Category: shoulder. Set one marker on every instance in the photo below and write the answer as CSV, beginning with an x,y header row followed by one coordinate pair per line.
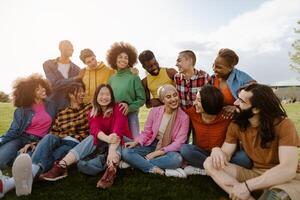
x,y
49,63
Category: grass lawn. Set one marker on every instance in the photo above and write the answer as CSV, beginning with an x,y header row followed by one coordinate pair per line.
x,y
129,184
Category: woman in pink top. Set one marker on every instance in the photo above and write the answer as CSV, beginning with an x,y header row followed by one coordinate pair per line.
x,y
107,127
155,150
32,117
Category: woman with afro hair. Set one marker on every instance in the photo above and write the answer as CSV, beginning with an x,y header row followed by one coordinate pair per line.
x,y
32,118
127,87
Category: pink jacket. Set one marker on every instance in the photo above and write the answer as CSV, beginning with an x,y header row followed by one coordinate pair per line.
x,y
179,130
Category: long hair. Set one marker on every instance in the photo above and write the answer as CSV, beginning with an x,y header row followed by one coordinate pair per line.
x,y
96,110
271,112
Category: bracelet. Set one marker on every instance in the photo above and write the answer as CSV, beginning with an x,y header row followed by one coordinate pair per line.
x,y
247,186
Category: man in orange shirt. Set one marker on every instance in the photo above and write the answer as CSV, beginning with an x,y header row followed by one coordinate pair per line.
x,y
270,139
210,130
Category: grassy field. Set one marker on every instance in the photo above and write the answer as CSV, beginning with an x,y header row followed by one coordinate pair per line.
x,y
130,184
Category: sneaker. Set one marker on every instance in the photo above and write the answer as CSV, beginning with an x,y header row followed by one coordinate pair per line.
x,y
55,173
108,177
123,165
22,173
175,173
190,170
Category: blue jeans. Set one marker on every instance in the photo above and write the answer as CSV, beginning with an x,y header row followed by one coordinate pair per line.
x,y
133,121
88,163
50,149
196,156
9,150
136,158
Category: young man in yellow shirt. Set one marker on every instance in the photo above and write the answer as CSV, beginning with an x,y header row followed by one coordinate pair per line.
x,y
155,78
96,73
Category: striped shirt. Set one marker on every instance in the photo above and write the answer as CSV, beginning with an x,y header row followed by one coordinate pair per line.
x,y
72,122
187,89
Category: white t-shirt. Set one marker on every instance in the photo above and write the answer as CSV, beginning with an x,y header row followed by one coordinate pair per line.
x,y
64,69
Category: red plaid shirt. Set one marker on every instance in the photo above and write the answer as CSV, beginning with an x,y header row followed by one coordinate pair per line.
x,y
187,89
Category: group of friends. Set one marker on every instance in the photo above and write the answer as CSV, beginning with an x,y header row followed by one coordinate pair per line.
x,y
226,125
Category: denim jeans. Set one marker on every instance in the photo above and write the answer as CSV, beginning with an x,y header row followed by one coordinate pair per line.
x,y
50,149
88,162
196,156
133,120
136,158
9,150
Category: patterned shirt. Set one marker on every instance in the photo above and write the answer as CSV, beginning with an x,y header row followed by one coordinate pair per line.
x,y
187,89
72,122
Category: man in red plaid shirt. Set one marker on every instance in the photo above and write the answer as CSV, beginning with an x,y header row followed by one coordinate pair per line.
x,y
189,80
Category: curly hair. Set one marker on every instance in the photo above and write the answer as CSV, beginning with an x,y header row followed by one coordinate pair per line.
x,y
230,56
24,89
121,47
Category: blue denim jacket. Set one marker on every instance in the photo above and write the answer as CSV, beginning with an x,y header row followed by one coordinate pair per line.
x,y
22,119
236,80
58,82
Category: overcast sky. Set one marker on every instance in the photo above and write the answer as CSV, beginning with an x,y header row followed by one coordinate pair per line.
x,y
261,32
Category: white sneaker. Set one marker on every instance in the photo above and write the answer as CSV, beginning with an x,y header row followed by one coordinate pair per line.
x,y
123,165
175,173
22,173
190,170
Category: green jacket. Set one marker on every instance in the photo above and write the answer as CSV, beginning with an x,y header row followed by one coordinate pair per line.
x,y
128,88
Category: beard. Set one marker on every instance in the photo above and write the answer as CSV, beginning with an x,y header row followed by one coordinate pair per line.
x,y
243,115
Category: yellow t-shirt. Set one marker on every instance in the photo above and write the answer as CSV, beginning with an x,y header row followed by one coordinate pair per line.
x,y
94,77
154,82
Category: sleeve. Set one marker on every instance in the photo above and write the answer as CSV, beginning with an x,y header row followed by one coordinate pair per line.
x,y
57,83
181,136
55,130
15,126
140,95
232,134
147,133
287,134
120,124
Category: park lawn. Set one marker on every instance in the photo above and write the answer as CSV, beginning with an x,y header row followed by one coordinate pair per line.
x,y
129,184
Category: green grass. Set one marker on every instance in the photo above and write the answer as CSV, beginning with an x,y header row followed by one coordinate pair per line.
x,y
129,184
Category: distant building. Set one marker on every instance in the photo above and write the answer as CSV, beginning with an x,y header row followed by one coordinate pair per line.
x,y
287,93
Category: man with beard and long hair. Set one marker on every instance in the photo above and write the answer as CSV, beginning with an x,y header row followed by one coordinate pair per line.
x,y
156,77
269,138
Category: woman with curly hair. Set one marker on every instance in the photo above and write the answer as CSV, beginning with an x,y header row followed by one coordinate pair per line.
x,y
127,87
32,117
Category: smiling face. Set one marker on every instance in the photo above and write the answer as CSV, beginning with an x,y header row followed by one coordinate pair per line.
x,y
197,103
78,96
104,97
221,67
184,63
171,99
122,61
40,93
152,67
244,109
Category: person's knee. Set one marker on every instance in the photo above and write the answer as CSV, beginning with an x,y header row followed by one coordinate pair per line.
x,y
176,158
184,151
126,152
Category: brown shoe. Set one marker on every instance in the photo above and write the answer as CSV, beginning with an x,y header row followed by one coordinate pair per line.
x,y
55,173
108,177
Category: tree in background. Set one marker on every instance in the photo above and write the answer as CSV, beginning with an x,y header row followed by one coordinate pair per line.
x,y
4,97
295,56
